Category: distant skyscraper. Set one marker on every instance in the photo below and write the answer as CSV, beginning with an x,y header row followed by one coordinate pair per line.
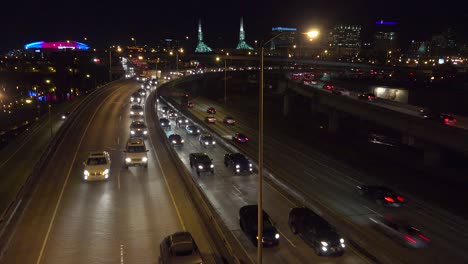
x,y
444,44
385,36
286,40
242,45
201,46
345,40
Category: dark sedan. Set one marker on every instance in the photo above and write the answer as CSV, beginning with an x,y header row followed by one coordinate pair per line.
x,y
176,140
239,137
248,222
381,195
238,162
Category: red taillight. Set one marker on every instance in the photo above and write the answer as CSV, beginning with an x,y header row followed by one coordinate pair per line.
x,y
399,198
389,199
238,139
246,139
410,239
425,238
368,97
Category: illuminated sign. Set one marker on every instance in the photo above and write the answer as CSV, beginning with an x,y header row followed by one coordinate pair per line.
x,y
57,45
381,22
283,29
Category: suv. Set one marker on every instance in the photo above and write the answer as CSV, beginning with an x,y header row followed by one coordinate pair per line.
x,y
179,247
367,96
316,231
165,123
136,111
192,130
97,166
135,153
138,129
182,121
202,162
211,110
206,140
176,140
248,217
238,162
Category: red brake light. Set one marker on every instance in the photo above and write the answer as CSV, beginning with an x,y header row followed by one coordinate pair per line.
x,y
389,199
446,120
425,238
246,139
410,239
368,97
238,139
399,198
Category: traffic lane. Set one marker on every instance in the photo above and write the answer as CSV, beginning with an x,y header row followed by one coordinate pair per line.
x,y
98,219
228,192
32,226
354,208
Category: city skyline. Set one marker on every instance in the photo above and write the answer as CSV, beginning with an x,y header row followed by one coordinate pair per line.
x,y
103,24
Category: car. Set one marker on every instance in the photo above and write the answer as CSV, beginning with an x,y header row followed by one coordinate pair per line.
x,y
153,82
97,166
136,98
146,87
190,104
192,130
316,231
401,231
65,115
206,140
248,221
340,91
202,162
210,119
179,247
367,96
141,78
381,195
239,137
328,87
142,92
171,114
165,109
211,110
165,123
176,140
447,118
182,121
229,120
136,153
138,129
238,162
136,110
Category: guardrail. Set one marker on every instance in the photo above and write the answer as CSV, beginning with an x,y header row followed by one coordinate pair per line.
x,y
24,194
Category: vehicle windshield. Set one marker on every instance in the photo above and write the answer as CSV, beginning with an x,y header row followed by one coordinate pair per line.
x,y
239,157
134,149
138,125
96,161
183,248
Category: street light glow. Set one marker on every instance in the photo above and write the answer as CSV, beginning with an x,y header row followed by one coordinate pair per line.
x,y
312,34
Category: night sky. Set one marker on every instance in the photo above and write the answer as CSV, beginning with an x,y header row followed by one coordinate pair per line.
x,y
109,22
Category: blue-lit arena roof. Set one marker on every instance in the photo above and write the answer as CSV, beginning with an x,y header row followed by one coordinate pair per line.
x,y
57,45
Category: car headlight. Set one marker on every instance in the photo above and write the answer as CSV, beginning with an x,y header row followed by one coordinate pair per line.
x,y
206,142
198,131
180,121
145,132
163,124
173,141
131,99
86,173
200,167
106,171
144,159
128,160
237,166
132,132
182,141
141,113
211,166
63,117
250,164
325,244
214,142
277,236
341,240
190,131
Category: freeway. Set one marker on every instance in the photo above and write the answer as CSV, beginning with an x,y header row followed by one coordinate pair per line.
x,y
329,186
121,220
228,192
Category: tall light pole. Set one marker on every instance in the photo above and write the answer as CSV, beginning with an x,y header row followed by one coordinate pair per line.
x,y
110,64
225,79
311,35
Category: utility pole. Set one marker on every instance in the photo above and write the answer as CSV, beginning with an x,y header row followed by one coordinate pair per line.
x,y
110,64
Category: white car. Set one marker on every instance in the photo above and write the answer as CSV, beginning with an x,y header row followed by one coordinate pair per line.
x,y
136,153
97,166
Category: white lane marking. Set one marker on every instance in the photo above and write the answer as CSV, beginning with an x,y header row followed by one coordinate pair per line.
x,y
237,189
46,238
120,118
118,180
373,211
121,254
310,174
290,242
118,140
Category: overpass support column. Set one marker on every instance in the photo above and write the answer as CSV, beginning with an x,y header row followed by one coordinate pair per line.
x,y
432,156
333,121
286,103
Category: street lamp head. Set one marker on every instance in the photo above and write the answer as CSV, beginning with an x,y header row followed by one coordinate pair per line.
x,y
312,34
217,59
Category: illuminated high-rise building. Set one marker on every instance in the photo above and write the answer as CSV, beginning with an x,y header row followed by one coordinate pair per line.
x,y
345,40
